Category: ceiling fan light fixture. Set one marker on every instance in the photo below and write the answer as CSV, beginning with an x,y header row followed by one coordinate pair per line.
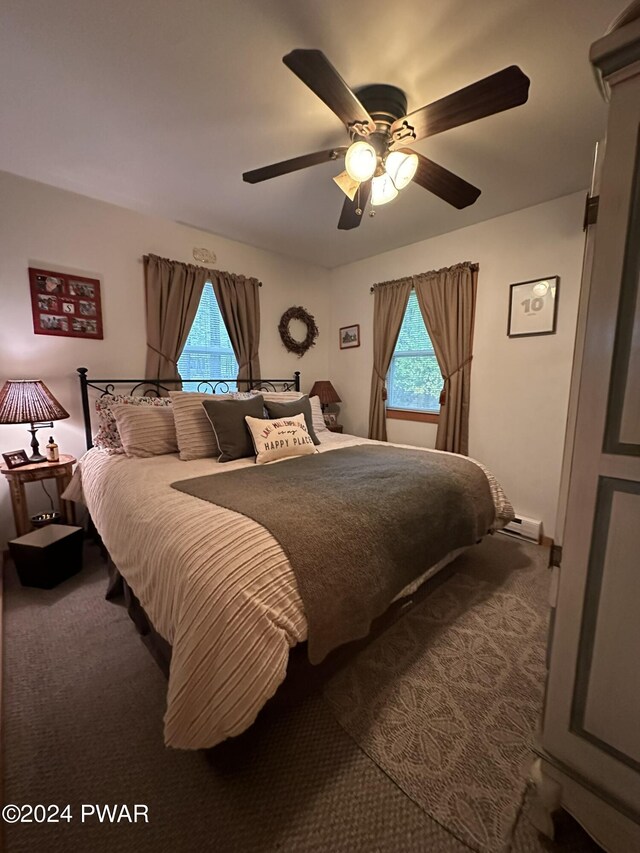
x,y
383,189
377,121
346,183
361,160
401,167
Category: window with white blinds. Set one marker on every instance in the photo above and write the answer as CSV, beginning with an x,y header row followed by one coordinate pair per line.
x,y
414,381
208,353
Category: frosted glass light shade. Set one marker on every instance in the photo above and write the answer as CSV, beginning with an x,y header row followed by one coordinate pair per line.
x,y
382,189
360,161
401,168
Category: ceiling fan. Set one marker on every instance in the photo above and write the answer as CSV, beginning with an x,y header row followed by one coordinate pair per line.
x,y
378,162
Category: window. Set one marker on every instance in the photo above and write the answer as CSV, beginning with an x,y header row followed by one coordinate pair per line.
x,y
208,353
414,381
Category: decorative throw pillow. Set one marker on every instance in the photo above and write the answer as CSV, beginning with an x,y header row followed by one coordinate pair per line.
x,y
227,419
146,430
293,407
107,437
317,415
196,439
280,438
276,397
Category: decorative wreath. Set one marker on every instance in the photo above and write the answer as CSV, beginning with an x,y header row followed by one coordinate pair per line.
x,y
291,344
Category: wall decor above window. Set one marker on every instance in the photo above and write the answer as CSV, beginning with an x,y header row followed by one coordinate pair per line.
x,y
291,344
65,305
533,307
204,256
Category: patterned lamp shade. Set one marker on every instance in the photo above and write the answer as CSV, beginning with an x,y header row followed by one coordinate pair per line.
x,y
24,401
325,390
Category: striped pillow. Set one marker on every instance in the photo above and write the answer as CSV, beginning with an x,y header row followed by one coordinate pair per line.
x,y
280,396
196,438
146,430
317,415
107,437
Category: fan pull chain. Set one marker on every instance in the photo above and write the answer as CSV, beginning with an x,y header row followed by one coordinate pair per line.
x,y
358,208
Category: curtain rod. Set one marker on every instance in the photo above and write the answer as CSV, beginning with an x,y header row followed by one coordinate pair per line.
x,y
198,266
472,267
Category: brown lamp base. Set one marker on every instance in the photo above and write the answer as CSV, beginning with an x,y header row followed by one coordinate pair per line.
x,y
36,456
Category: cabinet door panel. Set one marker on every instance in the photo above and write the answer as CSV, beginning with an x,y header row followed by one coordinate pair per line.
x,y
610,636
593,692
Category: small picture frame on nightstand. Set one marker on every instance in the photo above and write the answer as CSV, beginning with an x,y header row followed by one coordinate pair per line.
x,y
330,419
15,459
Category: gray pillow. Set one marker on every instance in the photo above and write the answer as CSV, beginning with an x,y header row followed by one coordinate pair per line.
x,y
295,407
228,421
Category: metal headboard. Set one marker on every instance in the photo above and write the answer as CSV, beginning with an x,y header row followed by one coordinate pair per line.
x,y
153,387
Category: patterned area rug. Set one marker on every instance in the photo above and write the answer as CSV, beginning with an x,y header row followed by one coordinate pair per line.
x,y
447,700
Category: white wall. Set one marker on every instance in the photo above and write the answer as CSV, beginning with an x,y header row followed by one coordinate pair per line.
x,y
45,227
520,387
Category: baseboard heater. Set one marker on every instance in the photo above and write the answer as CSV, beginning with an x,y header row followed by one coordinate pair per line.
x,y
524,528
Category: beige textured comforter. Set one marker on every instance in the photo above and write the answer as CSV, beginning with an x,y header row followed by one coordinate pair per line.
x,y
216,585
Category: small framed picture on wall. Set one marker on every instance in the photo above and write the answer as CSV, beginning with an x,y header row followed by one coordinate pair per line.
x,y
533,307
350,336
65,305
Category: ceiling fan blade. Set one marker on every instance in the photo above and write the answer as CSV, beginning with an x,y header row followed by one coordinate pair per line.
x,y
500,91
349,218
293,165
443,183
314,69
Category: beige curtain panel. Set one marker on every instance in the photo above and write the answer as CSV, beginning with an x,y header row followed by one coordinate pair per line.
x,y
389,306
239,301
172,297
447,300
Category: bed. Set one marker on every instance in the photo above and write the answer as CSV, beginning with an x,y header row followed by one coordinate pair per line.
x,y
215,584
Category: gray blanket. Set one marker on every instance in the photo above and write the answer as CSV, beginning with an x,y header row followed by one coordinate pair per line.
x,y
357,524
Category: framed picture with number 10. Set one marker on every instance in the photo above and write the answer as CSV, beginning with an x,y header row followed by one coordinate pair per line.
x,y
533,307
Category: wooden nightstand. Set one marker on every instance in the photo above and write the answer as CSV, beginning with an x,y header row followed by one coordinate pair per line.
x,y
60,471
336,428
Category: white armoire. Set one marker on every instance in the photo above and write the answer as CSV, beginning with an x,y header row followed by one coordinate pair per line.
x,y
589,751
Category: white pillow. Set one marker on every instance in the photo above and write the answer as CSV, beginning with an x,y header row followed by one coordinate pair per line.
x,y
279,438
316,415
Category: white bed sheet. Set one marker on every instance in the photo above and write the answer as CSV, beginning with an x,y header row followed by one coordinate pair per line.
x,y
215,584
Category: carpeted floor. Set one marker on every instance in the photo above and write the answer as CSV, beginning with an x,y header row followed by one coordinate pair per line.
x,y
448,700
83,706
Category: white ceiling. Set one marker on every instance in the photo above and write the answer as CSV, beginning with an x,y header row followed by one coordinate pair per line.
x,y
160,105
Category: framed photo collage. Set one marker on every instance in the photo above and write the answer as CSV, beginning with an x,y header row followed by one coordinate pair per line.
x,y
65,305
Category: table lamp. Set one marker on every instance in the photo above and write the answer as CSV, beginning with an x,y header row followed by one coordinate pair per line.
x,y
29,401
326,392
